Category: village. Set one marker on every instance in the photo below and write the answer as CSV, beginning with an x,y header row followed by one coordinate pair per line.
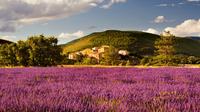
x,y
96,52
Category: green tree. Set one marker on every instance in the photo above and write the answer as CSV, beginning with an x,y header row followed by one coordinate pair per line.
x,y
89,61
165,47
7,54
44,51
23,53
111,57
36,51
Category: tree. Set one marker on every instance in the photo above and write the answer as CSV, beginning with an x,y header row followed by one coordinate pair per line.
x,y
44,51
89,61
165,47
111,57
36,51
8,54
23,53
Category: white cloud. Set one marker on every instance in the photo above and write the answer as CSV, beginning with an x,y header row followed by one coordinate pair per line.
x,y
151,30
160,19
14,13
190,27
162,5
71,35
181,3
9,38
167,5
111,2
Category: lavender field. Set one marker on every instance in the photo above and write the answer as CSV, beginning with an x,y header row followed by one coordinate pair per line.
x,y
100,90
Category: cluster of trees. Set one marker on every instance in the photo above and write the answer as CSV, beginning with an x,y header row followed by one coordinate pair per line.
x,y
35,51
121,40
166,54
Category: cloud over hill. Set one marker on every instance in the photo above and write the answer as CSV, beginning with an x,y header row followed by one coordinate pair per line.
x,y
187,28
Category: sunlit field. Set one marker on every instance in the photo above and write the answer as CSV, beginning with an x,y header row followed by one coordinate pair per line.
x,y
100,90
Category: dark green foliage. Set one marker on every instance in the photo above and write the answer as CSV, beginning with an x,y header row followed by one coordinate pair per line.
x,y
36,51
165,49
159,61
89,61
165,45
120,40
44,51
66,61
23,53
7,54
187,46
111,57
173,60
146,60
193,60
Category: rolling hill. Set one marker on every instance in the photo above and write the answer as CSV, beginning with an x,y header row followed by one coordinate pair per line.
x,y
134,41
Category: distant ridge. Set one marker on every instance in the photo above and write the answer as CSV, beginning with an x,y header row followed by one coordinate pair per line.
x,y
134,41
195,38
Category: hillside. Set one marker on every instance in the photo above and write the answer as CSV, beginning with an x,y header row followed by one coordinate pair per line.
x,y
4,41
133,41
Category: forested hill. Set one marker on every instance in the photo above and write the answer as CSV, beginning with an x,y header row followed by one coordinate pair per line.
x,y
133,41
4,41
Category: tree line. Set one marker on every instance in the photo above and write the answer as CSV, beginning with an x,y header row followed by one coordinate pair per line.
x,y
35,51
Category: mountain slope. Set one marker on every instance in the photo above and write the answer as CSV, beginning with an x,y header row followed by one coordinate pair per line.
x,y
133,41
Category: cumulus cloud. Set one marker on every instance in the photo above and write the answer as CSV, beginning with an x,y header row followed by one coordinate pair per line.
x,y
151,30
160,19
14,13
189,27
71,35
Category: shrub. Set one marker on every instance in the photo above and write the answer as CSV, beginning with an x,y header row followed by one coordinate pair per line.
x,y
89,61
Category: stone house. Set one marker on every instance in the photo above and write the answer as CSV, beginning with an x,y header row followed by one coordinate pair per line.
x,y
74,56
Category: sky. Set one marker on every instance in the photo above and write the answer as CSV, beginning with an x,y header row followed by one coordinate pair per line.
x,y
71,19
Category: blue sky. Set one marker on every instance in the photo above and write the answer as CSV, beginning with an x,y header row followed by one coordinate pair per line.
x,y
71,19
